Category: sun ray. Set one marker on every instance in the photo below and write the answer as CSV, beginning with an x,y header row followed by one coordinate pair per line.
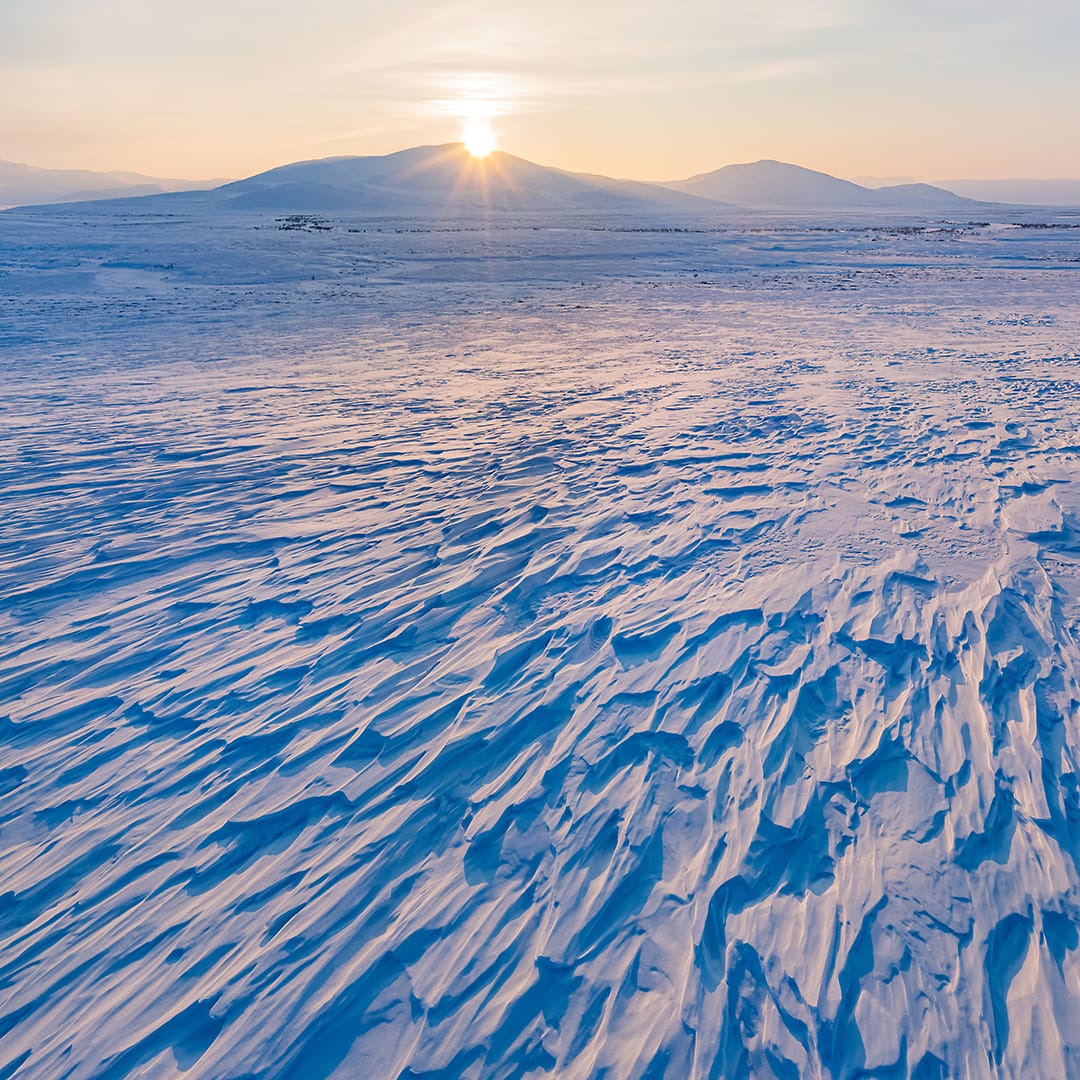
x,y
478,137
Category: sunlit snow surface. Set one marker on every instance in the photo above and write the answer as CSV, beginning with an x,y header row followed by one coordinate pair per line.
x,y
523,652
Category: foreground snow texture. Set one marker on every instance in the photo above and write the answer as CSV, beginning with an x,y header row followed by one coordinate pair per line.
x,y
506,653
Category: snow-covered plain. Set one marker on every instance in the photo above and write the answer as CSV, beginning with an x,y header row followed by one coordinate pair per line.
x,y
545,648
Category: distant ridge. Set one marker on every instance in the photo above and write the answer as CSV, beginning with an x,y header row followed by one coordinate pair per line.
x,y
1030,192
1017,192
28,185
778,185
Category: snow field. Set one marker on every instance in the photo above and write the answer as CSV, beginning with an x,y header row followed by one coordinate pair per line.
x,y
502,653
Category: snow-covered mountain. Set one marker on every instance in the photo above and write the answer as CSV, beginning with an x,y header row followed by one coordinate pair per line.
x,y
428,180
927,196
775,183
447,179
27,185
779,185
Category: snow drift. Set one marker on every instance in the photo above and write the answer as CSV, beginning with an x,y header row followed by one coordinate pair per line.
x,y
504,653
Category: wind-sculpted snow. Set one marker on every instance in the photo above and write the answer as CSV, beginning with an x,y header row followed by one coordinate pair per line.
x,y
612,674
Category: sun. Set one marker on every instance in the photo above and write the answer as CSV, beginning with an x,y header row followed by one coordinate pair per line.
x,y
479,139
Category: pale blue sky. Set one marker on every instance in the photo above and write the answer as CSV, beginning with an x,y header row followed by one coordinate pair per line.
x,y
656,90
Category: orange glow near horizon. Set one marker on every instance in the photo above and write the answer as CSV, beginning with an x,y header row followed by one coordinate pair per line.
x,y
633,91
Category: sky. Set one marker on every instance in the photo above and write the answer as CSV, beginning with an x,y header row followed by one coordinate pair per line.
x,y
929,89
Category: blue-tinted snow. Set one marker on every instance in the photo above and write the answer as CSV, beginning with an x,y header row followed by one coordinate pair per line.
x,y
538,651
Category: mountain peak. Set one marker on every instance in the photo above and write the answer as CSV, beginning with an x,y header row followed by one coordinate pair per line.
x,y
446,178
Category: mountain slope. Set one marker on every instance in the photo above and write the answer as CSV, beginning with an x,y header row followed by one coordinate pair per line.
x,y
27,185
1016,192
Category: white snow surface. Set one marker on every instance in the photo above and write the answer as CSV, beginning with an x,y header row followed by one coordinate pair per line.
x,y
547,648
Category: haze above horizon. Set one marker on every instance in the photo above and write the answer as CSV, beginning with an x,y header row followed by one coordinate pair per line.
x,y
951,88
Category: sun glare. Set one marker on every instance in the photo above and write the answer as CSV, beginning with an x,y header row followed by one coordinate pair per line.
x,y
479,139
